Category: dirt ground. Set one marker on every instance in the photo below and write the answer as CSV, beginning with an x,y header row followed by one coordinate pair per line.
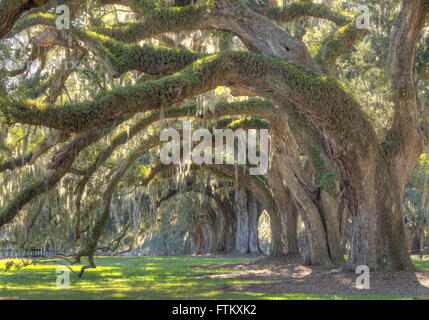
x,y
289,275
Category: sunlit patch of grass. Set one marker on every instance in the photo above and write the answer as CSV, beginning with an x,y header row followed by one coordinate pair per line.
x,y
422,264
147,278
115,277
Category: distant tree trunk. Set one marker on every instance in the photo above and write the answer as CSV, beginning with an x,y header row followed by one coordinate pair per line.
x,y
187,245
225,207
277,247
242,233
253,208
197,239
328,209
221,232
290,227
212,232
260,211
416,243
193,240
306,249
286,216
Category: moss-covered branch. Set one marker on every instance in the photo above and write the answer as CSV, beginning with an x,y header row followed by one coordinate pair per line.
x,y
120,58
257,33
117,56
298,10
44,19
337,44
274,79
163,20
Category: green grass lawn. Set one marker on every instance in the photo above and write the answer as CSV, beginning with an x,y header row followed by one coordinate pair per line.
x,y
143,278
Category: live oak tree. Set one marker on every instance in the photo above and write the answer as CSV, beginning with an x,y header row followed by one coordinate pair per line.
x,y
352,171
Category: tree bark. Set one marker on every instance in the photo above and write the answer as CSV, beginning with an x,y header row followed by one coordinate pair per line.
x,y
378,233
277,248
242,233
221,232
253,207
212,232
197,238
229,220
284,217
290,226
317,237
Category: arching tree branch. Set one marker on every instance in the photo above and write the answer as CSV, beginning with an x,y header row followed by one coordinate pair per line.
x,y
338,43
